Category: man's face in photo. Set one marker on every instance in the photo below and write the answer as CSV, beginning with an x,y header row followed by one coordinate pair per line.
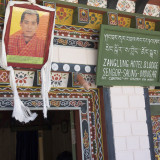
x,y
29,25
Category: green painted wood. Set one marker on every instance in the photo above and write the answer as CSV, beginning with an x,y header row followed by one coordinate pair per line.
x,y
128,56
157,26
2,10
155,110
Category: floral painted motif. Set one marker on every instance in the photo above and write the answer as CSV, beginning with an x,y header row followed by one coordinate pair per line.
x,y
61,13
150,25
57,79
64,16
21,78
24,78
4,77
95,20
124,22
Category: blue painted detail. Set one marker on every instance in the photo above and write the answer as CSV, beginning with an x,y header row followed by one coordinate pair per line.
x,y
109,126
149,123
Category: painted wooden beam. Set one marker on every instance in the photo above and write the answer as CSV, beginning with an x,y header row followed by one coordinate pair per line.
x,y
154,2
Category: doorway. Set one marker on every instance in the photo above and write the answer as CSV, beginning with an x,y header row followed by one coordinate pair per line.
x,y
55,134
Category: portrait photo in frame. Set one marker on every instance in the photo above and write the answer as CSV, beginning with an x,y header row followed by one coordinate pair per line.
x,y
28,35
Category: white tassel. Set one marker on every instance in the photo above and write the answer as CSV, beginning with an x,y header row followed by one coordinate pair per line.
x,y
46,85
46,77
20,111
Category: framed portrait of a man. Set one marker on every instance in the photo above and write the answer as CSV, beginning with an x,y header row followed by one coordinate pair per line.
x,y
28,35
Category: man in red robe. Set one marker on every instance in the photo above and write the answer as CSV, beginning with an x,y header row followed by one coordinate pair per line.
x,y
25,42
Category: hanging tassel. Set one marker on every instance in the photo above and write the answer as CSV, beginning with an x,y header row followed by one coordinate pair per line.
x,y
20,112
46,76
46,85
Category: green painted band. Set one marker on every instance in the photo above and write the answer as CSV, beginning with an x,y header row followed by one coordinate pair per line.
x,y
24,59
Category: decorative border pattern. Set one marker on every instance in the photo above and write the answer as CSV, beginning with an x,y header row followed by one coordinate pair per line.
x,y
91,114
74,34
75,28
75,43
154,97
69,67
156,135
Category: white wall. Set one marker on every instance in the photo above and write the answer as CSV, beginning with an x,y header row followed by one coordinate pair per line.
x,y
129,123
76,55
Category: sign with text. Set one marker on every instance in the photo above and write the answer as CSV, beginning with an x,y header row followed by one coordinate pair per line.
x,y
128,57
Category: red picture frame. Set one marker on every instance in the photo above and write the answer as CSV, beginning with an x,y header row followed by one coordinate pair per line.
x,y
21,53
